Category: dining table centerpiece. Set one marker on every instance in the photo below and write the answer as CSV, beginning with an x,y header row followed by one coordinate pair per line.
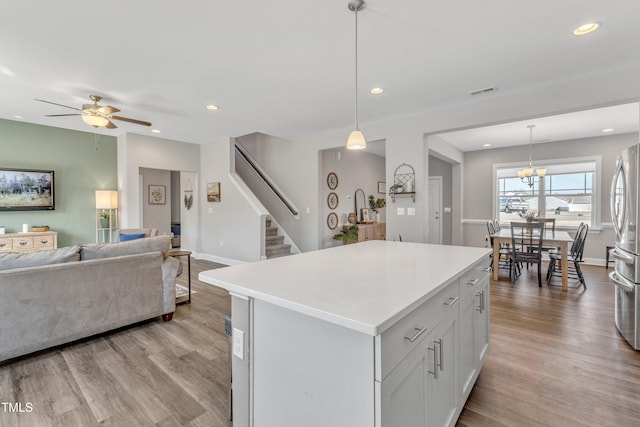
x,y
530,215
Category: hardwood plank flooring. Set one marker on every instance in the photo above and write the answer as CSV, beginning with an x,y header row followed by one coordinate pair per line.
x,y
556,359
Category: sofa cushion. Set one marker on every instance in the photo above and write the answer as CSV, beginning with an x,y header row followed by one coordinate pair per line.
x,y
12,260
126,237
138,246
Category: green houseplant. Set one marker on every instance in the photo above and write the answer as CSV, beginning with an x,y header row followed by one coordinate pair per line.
x,y
104,219
348,235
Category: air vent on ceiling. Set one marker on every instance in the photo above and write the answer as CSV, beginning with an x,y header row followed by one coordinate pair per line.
x,y
484,90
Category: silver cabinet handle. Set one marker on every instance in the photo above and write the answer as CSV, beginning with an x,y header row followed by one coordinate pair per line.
x,y
472,282
483,301
451,301
417,334
488,269
440,359
435,362
479,308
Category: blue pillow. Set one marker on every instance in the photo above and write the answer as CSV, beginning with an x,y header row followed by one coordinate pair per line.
x,y
126,237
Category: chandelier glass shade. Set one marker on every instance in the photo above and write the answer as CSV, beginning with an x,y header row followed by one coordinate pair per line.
x,y
527,175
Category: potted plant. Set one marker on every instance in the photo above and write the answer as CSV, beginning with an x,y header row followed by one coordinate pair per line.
x,y
348,234
396,188
530,215
104,219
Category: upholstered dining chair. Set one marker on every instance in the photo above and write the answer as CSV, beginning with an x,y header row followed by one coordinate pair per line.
x,y
526,247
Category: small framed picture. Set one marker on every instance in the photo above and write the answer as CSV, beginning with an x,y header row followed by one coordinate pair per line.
x,y
213,192
157,194
382,187
365,214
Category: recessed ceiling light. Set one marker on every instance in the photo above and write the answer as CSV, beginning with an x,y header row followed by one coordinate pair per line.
x,y
486,145
608,130
155,130
377,90
212,107
587,28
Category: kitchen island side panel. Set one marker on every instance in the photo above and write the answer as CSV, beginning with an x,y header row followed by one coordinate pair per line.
x,y
308,372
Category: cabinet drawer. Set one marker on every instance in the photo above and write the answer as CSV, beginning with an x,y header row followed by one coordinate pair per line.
x,y
21,243
474,277
400,339
6,244
43,242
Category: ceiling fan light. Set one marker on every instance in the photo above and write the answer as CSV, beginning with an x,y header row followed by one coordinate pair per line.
x,y
356,140
95,121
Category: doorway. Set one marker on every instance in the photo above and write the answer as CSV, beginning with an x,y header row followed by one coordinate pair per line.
x,y
434,211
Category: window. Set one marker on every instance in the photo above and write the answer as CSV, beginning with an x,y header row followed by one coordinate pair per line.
x,y
568,192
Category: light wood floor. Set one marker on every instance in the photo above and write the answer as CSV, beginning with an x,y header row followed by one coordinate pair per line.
x,y
556,359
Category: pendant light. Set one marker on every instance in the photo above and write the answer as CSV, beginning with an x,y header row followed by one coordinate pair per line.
x,y
356,139
529,170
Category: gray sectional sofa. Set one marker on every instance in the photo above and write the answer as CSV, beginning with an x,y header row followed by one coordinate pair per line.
x,y
54,297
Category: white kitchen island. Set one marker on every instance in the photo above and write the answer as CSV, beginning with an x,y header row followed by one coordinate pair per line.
x,y
372,334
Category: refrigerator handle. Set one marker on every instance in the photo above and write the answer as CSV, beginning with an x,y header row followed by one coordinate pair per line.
x,y
622,256
622,282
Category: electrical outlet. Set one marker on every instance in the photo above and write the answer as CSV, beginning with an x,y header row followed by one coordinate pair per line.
x,y
411,211
400,211
238,343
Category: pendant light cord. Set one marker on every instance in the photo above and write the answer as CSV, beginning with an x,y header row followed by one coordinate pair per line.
x,y
356,61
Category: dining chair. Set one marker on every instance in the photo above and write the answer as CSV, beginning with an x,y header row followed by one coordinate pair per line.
x,y
504,253
549,225
574,258
526,247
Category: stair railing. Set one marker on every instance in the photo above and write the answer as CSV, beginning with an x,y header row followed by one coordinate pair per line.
x,y
265,178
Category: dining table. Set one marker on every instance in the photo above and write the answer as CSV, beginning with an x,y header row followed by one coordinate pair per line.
x,y
560,239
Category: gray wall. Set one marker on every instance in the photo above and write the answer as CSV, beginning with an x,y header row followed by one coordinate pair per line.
x,y
82,164
478,176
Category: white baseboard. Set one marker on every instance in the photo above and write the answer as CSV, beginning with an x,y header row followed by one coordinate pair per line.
x,y
218,259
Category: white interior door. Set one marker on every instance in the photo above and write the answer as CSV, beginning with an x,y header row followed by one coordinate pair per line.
x,y
434,211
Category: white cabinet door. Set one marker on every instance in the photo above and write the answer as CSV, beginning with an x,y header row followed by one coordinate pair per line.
x,y
482,322
468,346
442,383
403,392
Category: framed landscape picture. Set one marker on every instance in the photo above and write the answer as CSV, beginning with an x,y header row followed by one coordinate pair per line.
x,y
213,192
26,190
157,194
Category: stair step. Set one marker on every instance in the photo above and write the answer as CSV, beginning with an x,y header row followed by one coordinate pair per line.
x,y
274,240
271,231
278,250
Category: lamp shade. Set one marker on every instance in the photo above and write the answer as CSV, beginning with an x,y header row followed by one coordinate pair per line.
x,y
106,199
356,140
95,121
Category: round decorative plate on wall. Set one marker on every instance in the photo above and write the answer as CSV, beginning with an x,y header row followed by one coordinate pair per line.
x,y
332,220
332,180
332,200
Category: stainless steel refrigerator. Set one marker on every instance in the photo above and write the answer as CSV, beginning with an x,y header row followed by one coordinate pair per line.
x,y
625,215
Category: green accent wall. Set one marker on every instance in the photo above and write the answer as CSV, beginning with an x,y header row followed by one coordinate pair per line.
x,y
82,162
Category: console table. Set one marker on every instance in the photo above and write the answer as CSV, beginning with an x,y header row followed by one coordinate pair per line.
x,y
178,254
29,242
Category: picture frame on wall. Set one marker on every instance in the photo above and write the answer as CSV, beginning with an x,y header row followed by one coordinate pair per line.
x,y
157,194
382,187
213,192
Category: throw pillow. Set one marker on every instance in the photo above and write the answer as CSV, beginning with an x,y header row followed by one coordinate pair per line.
x,y
13,260
127,237
138,246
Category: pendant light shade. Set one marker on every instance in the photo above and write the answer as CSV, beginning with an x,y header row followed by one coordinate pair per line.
x,y
356,139
528,172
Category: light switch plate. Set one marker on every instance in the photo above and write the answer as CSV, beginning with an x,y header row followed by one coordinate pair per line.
x,y
447,210
411,211
238,343
400,211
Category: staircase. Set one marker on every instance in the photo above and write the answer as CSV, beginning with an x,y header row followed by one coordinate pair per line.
x,y
274,244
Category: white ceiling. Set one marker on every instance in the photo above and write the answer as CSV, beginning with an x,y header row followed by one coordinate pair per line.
x,y
285,67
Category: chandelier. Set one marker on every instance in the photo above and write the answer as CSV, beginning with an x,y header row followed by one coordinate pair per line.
x,y
526,175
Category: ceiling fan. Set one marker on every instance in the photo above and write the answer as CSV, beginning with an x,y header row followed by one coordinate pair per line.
x,y
96,115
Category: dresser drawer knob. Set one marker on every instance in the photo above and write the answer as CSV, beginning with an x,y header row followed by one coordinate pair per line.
x,y
23,243
44,242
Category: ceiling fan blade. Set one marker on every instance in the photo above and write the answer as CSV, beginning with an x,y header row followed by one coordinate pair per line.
x,y
111,125
107,109
62,115
124,119
55,103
